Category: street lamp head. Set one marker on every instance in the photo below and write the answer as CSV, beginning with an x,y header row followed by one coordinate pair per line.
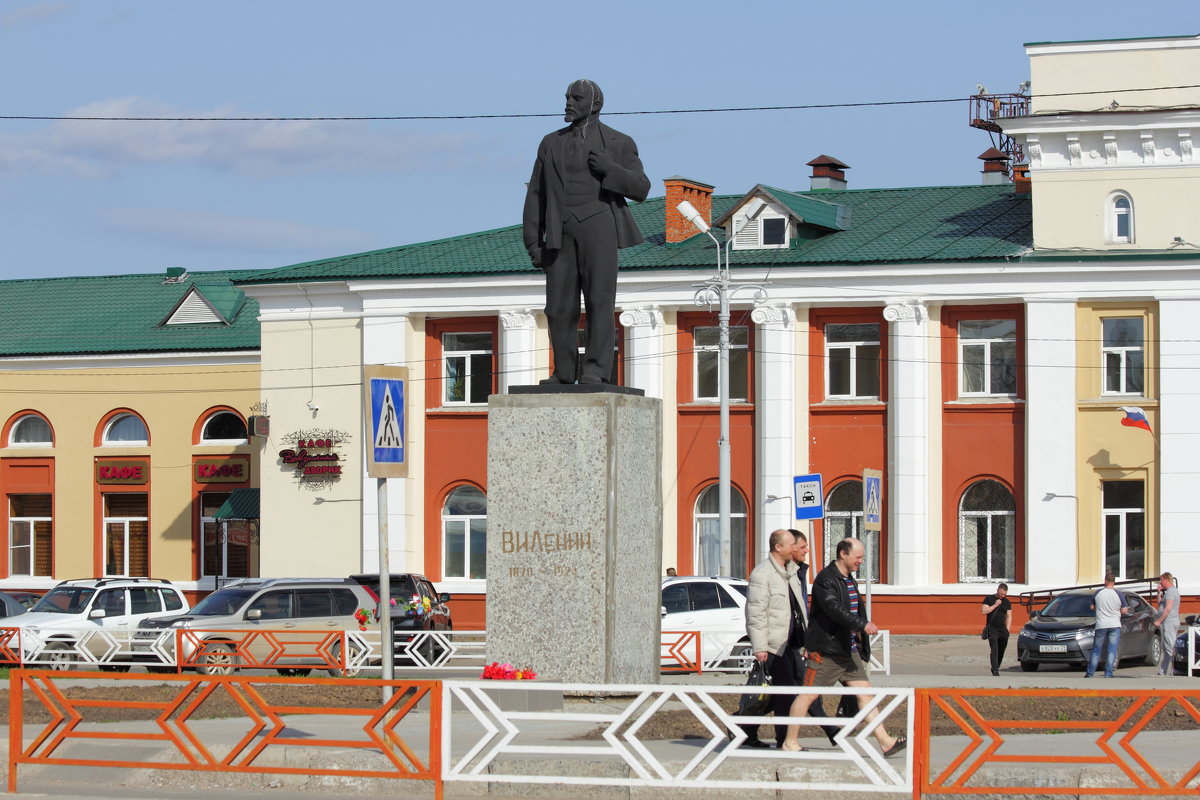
x,y
692,215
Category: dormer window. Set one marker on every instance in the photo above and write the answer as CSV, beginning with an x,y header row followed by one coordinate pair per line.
x,y
774,232
1120,219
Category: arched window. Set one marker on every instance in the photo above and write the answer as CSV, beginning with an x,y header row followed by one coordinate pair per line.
x,y
126,429
987,533
707,544
223,427
464,534
844,519
1120,219
31,431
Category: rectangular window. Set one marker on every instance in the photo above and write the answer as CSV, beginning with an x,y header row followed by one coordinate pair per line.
x,y
774,232
127,534
467,368
228,547
30,534
852,360
987,350
1125,528
707,352
1123,352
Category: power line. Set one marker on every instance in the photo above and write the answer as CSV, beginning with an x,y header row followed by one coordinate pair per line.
x,y
649,112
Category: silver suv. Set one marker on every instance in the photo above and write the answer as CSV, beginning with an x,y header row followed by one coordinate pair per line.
x,y
94,616
290,609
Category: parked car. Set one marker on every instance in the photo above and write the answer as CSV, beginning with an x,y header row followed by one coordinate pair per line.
x,y
1062,632
27,599
290,608
713,606
10,606
418,606
60,619
1181,645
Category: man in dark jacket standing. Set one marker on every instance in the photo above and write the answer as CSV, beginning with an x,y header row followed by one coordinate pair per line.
x,y
838,641
575,220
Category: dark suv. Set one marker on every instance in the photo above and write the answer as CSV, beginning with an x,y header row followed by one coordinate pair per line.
x,y
416,606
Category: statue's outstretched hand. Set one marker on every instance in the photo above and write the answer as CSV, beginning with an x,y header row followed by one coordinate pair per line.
x,y
600,163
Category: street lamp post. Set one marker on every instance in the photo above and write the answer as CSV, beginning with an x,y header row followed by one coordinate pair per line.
x,y
719,291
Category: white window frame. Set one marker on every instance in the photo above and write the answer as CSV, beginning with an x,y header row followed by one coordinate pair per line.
x,y
762,232
12,432
853,347
13,521
447,354
699,518
220,442
988,361
1122,514
990,516
1122,352
465,520
124,522
1113,216
105,442
714,351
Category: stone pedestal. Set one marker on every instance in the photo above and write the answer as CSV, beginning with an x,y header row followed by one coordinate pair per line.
x,y
574,540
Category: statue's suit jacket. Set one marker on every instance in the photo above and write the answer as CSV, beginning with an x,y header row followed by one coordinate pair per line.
x,y
545,209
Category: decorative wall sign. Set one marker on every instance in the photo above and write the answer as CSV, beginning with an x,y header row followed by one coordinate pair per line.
x,y
221,470
134,472
317,454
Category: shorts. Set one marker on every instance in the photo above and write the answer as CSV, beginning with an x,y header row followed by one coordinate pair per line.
x,y
825,669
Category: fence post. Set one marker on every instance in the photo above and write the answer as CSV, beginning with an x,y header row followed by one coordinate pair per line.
x,y
15,715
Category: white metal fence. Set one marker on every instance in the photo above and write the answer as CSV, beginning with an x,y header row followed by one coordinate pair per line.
x,y
662,736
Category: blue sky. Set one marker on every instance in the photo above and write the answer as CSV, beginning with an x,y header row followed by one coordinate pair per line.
x,y
123,197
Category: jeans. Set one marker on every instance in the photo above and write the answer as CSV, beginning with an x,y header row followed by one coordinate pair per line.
x,y
1104,636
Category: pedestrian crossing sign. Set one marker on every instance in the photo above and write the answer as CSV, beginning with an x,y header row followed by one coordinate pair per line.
x,y
872,500
384,413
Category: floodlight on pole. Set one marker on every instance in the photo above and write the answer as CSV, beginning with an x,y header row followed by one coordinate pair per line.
x,y
719,290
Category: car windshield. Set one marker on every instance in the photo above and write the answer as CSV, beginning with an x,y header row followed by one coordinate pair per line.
x,y
66,600
1070,605
221,603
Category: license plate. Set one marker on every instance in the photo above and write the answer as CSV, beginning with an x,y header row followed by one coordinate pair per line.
x,y
1052,648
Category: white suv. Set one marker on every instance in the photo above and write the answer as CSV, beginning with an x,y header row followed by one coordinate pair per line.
x,y
716,608
95,616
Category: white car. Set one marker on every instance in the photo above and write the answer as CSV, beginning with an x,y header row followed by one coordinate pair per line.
x,y
99,615
716,607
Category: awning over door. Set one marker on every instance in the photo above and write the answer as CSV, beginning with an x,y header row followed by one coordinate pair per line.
x,y
242,504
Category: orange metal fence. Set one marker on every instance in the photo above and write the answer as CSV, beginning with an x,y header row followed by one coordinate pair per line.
x,y
265,649
1004,755
169,720
10,645
676,645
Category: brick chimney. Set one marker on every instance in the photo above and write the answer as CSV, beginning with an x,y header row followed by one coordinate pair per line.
x,y
1021,179
696,193
828,173
995,167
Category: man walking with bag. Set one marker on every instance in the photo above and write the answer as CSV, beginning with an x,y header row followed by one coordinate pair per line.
x,y
997,611
775,621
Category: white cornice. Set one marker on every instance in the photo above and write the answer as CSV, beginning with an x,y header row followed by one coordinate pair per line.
x,y
1101,121
133,361
1113,45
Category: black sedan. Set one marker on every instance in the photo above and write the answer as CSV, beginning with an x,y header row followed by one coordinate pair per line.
x,y
1189,628
1061,633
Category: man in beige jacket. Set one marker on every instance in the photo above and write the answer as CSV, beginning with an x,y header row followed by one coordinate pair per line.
x,y
775,621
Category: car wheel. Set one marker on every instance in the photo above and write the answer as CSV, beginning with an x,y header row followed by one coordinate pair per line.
x,y
218,659
1153,652
738,655
1029,666
293,672
336,652
61,656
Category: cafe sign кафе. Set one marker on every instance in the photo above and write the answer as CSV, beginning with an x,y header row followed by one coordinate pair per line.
x,y
314,454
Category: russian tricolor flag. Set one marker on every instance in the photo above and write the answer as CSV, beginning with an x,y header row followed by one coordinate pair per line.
x,y
1135,418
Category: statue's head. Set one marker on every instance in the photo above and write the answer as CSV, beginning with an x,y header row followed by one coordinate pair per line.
x,y
584,100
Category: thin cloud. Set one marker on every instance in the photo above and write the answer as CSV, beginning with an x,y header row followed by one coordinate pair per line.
x,y
213,231
90,149
32,14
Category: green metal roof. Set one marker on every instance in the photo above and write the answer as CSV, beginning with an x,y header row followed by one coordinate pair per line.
x,y
121,314
938,223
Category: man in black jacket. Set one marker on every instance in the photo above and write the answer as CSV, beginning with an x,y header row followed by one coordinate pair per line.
x,y
838,642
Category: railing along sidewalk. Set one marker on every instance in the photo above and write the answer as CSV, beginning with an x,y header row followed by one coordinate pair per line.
x,y
399,736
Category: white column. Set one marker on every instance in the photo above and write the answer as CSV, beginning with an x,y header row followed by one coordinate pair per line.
x,y
644,349
1179,439
1051,496
908,443
385,338
518,349
774,420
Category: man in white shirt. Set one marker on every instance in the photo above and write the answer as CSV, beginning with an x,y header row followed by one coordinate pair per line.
x,y
1109,605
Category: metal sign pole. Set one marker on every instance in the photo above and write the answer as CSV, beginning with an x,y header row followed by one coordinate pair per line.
x,y
386,644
